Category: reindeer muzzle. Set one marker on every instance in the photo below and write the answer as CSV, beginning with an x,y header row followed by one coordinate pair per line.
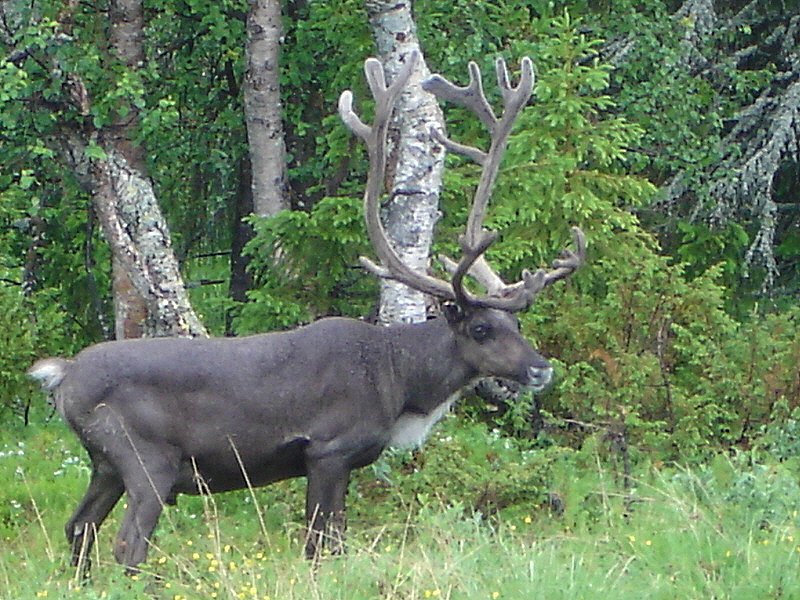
x,y
539,378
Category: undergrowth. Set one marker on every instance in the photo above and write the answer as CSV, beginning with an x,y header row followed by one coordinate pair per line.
x,y
474,515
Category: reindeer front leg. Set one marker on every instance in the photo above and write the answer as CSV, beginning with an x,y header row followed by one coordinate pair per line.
x,y
325,505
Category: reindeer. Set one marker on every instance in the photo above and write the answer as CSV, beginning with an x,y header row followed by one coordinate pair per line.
x,y
168,416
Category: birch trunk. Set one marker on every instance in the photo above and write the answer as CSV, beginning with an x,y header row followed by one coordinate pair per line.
x,y
150,298
262,107
126,40
416,161
135,229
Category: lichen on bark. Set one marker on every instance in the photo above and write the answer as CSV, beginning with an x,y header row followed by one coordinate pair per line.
x,y
135,229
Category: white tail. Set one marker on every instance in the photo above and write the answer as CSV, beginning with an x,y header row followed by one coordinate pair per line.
x,y
49,372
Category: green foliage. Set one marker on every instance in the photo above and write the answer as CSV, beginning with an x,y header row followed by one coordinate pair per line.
x,y
487,474
305,265
327,43
14,389
191,118
566,164
35,318
30,326
687,97
780,437
658,357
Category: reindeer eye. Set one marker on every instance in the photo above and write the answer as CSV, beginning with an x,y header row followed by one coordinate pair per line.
x,y
480,332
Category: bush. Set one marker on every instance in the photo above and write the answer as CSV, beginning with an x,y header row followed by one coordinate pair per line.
x,y
30,327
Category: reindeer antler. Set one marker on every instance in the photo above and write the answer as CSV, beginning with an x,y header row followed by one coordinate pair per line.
x,y
375,138
520,295
476,240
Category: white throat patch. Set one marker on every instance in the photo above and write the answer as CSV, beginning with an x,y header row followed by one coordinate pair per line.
x,y
412,429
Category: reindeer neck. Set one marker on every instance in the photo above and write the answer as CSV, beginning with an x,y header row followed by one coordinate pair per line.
x,y
427,364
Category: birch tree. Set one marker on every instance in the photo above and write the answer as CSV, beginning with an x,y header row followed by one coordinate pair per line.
x,y
263,186
416,161
152,298
262,107
149,294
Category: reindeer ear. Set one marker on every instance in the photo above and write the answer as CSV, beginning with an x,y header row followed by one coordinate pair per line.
x,y
453,312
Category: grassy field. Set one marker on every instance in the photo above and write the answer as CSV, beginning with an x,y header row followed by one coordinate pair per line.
x,y
725,529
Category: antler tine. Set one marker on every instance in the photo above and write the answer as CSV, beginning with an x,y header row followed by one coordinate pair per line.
x,y
471,253
375,137
350,118
376,79
472,96
569,260
503,80
475,154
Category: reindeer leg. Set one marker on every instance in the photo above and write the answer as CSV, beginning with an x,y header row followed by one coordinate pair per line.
x,y
105,489
149,479
325,505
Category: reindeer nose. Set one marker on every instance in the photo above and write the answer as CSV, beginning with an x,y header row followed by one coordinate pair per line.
x,y
539,377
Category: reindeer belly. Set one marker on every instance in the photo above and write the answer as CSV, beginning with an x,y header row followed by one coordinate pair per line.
x,y
221,472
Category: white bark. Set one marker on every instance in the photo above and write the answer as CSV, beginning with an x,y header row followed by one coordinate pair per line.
x,y
262,107
140,242
416,160
135,229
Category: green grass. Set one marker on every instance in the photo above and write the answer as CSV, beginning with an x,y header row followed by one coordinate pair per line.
x,y
728,529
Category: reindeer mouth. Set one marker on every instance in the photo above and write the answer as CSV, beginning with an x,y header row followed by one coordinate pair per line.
x,y
539,378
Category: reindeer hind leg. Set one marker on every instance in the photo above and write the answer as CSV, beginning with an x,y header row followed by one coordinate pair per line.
x,y
149,474
104,491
